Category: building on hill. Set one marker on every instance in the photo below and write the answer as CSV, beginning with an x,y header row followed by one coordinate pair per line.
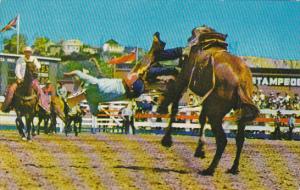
x,y
112,46
71,46
90,50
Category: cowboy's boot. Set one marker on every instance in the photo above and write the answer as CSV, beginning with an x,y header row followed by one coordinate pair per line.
x,y
9,95
157,44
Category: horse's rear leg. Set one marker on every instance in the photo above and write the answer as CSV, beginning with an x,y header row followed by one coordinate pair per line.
x,y
20,126
221,141
199,153
53,123
68,126
75,127
240,138
39,125
80,124
47,128
33,129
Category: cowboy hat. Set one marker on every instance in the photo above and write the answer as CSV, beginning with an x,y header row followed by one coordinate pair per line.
x,y
27,49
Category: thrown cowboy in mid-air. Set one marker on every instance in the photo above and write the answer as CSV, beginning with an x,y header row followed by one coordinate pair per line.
x,y
99,90
20,73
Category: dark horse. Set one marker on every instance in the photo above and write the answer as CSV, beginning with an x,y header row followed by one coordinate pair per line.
x,y
43,116
58,108
75,119
26,101
225,83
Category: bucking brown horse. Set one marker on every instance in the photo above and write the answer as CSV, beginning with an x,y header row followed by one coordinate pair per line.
x,y
25,102
224,82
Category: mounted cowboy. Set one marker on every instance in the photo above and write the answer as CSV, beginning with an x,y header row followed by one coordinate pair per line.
x,y
20,70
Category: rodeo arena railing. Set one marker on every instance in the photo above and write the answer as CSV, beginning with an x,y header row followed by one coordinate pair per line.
x,y
110,119
187,119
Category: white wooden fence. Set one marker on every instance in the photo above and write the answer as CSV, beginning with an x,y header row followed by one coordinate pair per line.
x,y
112,120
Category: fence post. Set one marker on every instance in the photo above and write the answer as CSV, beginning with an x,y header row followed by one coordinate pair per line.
x,y
60,125
94,124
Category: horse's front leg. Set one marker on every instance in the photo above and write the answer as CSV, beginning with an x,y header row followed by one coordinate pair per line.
x,y
20,127
29,121
47,128
167,139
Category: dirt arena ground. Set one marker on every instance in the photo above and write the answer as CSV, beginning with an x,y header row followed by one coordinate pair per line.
x,y
110,161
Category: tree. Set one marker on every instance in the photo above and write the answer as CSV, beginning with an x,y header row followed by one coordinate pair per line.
x,y
40,46
10,45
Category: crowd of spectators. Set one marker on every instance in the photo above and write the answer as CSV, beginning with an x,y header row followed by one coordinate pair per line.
x,y
276,100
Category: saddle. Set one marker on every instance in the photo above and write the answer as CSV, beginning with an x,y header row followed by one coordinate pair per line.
x,y
202,80
202,76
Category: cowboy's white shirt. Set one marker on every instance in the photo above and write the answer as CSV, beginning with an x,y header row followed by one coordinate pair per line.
x,y
21,66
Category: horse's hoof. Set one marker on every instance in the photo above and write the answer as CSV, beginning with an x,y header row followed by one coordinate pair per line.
x,y
207,172
233,171
199,154
24,139
166,143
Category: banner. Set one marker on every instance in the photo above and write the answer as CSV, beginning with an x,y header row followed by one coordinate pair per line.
x,y
276,81
123,59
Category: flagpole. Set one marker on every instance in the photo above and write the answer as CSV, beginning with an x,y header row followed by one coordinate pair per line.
x,y
136,55
2,43
18,33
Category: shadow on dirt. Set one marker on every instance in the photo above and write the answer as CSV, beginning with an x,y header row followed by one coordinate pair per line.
x,y
161,170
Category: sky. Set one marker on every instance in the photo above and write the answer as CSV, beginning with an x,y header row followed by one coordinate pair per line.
x,y
268,29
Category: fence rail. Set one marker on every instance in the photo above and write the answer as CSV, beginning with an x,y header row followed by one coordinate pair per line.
x,y
188,121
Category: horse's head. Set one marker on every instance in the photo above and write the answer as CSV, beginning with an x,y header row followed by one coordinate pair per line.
x,y
31,71
31,67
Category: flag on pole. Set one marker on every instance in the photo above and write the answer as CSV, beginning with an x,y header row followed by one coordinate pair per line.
x,y
11,25
129,58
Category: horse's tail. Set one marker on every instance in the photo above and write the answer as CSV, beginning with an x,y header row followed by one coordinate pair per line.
x,y
248,110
